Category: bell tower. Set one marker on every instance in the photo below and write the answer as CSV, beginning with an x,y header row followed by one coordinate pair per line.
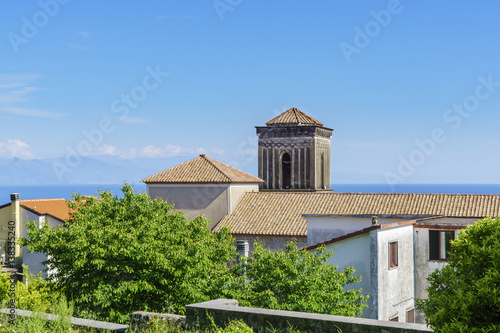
x,y
294,153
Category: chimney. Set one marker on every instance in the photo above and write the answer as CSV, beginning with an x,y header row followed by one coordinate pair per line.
x,y
242,249
374,221
15,207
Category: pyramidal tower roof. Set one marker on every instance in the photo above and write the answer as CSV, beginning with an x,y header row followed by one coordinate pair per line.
x,y
295,117
202,169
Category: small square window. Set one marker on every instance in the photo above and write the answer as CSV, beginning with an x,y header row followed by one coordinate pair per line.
x,y
393,254
440,244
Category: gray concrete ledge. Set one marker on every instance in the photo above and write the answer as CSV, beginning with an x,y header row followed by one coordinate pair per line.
x,y
223,310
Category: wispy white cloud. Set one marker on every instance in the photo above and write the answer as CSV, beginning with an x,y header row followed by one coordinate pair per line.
x,y
383,145
152,151
84,34
16,89
155,152
133,120
15,148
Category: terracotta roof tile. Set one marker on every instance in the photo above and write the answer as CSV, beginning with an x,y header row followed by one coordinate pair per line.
x,y
280,213
294,116
55,207
202,169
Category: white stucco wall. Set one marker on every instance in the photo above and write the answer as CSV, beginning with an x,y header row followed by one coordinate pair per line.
x,y
324,228
395,285
423,266
355,252
34,260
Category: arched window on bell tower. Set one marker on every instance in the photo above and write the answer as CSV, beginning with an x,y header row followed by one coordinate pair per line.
x,y
286,170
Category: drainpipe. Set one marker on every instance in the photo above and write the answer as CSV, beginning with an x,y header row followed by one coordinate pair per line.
x,y
15,205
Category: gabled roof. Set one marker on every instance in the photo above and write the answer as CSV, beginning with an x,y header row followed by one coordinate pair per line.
x,y
280,213
202,169
58,208
294,116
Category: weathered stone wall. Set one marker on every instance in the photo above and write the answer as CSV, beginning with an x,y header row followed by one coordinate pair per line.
x,y
139,320
222,311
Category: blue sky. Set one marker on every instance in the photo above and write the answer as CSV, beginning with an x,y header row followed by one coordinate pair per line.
x,y
411,88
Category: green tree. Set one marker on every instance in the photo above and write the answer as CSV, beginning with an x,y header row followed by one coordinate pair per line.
x,y
296,280
119,255
464,296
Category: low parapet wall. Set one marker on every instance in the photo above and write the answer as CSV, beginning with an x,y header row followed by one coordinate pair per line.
x,y
221,311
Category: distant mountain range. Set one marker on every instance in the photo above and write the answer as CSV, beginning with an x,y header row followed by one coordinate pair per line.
x,y
99,170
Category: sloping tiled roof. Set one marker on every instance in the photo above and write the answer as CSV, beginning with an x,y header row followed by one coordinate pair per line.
x,y
202,169
55,207
294,116
280,213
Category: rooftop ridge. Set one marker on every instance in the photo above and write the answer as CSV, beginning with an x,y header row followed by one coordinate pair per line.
x,y
294,116
209,160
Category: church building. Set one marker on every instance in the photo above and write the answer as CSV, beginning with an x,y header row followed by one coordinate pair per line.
x,y
393,239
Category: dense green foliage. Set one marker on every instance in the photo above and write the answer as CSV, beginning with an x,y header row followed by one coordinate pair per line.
x,y
120,255
296,281
34,294
464,296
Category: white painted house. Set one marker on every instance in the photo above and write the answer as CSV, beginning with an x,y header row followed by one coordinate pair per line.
x,y
17,213
394,259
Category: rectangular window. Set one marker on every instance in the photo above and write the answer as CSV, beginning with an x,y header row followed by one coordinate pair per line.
x,y
440,244
393,254
410,316
395,318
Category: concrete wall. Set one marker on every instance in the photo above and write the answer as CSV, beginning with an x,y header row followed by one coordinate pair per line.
x,y
222,311
210,200
423,266
31,259
355,252
324,228
237,191
395,285
275,243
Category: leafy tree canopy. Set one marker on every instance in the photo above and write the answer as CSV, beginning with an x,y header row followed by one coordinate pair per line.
x,y
117,255
297,280
120,255
464,296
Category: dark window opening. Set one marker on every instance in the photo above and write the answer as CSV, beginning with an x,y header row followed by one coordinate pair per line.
x,y
286,169
410,316
396,318
393,254
440,244
323,171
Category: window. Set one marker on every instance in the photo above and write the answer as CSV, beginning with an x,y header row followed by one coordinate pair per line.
x,y
395,318
410,316
393,254
439,244
286,169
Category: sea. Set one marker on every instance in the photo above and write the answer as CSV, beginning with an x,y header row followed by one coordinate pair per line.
x,y
66,191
